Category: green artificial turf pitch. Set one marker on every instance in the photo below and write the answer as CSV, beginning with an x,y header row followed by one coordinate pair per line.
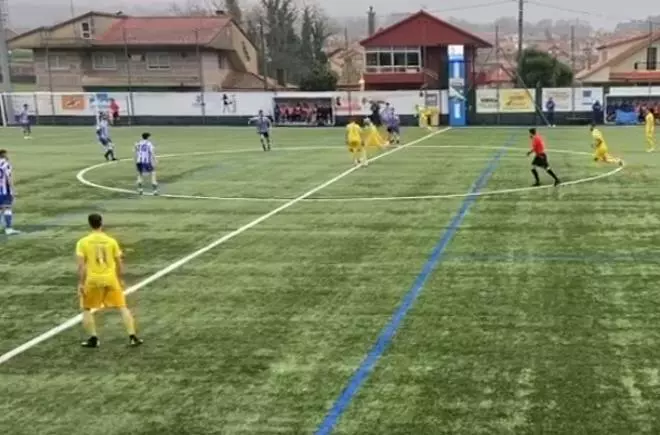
x,y
541,316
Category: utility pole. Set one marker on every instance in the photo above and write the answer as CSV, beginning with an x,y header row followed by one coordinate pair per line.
x,y
499,68
264,58
521,19
573,69
649,64
573,49
4,50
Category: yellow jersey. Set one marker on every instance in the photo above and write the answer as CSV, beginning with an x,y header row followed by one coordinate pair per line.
x,y
650,121
353,132
371,130
599,140
101,253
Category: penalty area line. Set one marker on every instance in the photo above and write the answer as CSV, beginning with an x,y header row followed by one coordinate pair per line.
x,y
188,258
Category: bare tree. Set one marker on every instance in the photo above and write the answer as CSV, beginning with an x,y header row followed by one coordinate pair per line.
x,y
233,8
189,7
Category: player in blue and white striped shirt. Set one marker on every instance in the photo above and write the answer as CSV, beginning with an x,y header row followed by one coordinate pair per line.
x,y
24,120
7,193
103,135
393,122
145,162
263,125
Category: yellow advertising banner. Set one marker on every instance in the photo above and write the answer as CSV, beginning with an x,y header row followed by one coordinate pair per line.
x,y
516,100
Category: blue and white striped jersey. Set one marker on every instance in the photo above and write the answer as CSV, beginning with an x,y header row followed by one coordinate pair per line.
x,y
145,152
5,177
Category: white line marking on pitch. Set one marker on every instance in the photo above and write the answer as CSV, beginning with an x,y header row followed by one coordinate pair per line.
x,y
81,177
463,195
188,258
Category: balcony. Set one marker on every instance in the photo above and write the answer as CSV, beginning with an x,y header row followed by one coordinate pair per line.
x,y
393,69
139,80
392,75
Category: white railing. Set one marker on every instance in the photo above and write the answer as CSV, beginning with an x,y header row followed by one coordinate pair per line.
x,y
393,69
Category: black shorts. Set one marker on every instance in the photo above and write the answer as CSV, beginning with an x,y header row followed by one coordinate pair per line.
x,y
541,161
265,134
115,115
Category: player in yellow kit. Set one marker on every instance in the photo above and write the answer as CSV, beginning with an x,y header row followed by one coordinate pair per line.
x,y
354,143
100,268
601,152
372,137
649,129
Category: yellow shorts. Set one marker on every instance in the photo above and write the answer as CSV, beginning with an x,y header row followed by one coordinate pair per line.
x,y
355,146
102,293
601,153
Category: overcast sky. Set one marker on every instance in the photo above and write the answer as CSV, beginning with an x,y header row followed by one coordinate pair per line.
x,y
601,13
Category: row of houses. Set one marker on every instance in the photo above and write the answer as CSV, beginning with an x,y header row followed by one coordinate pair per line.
x,y
114,52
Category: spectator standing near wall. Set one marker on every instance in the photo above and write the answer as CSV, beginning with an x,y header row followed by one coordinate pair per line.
x,y
597,112
114,111
550,111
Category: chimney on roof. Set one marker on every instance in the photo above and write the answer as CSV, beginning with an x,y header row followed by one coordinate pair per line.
x,y
219,12
371,21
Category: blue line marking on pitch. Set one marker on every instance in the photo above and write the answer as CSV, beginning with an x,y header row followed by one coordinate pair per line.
x,y
387,333
593,257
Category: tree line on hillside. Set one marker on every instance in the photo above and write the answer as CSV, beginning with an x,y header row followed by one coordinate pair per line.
x,y
291,39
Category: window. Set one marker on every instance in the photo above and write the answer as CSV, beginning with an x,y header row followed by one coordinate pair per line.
x,y
412,59
603,56
385,58
85,30
390,59
652,58
221,62
104,61
56,62
399,58
158,61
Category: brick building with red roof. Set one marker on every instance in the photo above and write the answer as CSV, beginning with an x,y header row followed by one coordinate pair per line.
x,y
412,53
114,52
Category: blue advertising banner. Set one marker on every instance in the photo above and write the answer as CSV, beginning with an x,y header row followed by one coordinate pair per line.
x,y
457,115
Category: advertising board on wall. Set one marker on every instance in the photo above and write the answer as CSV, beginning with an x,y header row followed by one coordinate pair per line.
x,y
516,101
487,101
241,104
572,99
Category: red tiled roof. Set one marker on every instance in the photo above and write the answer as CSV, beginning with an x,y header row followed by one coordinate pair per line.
x,y
503,72
623,40
164,30
636,76
640,44
477,41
